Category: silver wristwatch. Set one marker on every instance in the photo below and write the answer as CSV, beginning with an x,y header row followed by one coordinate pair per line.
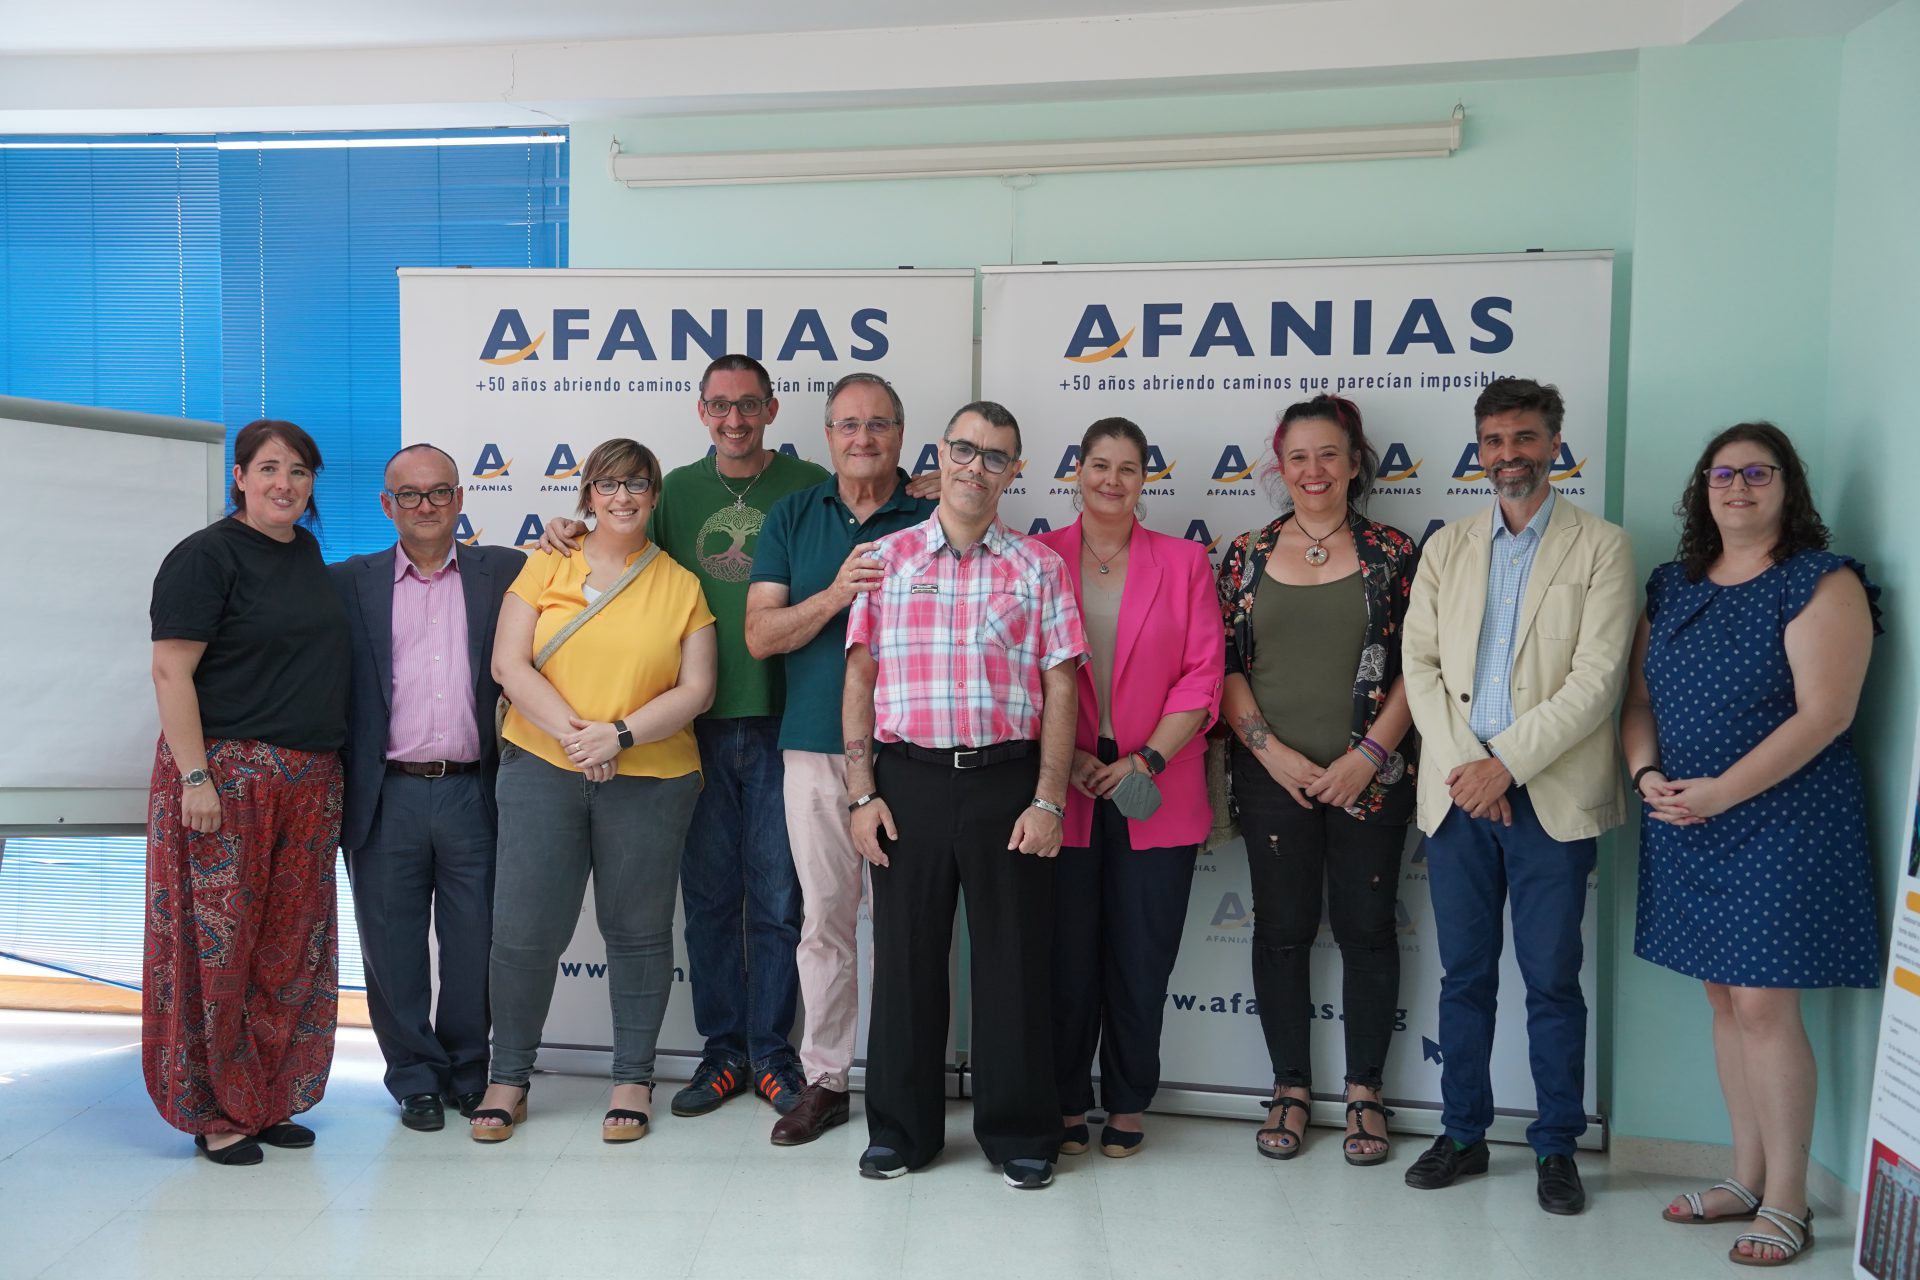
x,y
1049,807
197,778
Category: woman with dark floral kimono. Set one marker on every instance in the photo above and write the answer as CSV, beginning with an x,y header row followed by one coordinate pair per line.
x,y
250,671
1322,774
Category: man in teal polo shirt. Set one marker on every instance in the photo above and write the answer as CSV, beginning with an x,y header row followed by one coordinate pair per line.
x,y
809,565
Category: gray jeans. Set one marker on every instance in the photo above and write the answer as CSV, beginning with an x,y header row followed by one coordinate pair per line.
x,y
555,827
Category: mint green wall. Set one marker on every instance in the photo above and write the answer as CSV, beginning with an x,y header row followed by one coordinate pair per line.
x,y
1711,172
1873,404
1732,247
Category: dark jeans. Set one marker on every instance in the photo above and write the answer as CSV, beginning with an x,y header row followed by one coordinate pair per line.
x,y
953,826
1291,853
1473,864
742,896
1118,916
428,861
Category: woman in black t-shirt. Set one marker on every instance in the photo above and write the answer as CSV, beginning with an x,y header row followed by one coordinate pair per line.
x,y
250,670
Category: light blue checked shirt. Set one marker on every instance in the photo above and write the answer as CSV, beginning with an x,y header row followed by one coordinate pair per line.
x,y
1508,569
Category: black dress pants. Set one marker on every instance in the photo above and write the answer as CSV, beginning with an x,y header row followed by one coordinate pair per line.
x,y
1291,853
953,827
1118,916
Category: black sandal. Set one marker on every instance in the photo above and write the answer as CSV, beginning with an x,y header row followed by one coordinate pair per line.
x,y
1286,1103
1358,1110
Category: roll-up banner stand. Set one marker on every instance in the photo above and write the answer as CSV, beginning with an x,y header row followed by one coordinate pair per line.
x,y
1204,356
1888,1238
519,374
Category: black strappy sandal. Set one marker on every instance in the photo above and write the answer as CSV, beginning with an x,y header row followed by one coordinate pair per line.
x,y
1286,1103
1358,1110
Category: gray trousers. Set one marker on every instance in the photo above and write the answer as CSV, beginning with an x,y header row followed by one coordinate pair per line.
x,y
428,859
555,829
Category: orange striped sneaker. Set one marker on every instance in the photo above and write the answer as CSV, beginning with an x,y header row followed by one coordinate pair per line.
x,y
713,1083
781,1084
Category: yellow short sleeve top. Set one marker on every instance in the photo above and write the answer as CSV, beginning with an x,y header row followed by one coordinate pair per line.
x,y
624,657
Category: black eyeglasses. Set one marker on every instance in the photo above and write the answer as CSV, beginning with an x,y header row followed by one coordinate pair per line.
x,y
1757,476
408,499
637,484
965,451
849,427
749,407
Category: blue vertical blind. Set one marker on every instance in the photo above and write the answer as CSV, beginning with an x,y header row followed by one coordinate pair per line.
x,y
231,278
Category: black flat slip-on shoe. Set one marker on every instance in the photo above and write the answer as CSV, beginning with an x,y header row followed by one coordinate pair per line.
x,y
423,1112
286,1135
1118,1144
1443,1164
1560,1190
245,1151
1075,1139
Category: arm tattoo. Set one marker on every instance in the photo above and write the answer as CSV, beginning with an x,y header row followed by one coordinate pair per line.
x,y
1253,731
856,750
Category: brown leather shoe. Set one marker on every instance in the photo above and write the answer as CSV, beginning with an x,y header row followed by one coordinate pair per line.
x,y
820,1109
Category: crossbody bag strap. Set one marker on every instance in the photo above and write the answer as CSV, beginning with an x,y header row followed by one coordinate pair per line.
x,y
606,598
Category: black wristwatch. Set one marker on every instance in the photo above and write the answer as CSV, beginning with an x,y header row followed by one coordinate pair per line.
x,y
862,801
1156,763
1643,772
626,734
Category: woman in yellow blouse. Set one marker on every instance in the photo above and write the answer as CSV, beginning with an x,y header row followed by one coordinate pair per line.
x,y
598,773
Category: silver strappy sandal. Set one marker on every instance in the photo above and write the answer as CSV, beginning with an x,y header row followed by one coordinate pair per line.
x,y
1795,1238
1698,1216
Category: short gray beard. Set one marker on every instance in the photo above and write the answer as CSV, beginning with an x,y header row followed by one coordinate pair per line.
x,y
1521,490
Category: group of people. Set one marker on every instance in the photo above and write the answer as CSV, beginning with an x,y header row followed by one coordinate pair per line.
x,y
850,683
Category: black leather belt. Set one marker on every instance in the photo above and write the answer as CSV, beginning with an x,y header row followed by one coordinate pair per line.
x,y
432,768
965,757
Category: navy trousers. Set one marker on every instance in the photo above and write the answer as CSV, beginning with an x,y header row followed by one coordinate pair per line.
x,y
1474,865
428,860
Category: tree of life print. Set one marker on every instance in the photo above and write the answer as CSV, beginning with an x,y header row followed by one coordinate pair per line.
x,y
733,562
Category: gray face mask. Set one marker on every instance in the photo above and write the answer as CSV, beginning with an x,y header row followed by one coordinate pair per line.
x,y
1137,796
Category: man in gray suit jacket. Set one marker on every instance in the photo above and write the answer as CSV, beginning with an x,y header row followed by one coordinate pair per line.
x,y
420,759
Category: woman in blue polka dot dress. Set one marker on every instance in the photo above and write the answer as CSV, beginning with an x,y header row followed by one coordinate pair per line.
x,y
1754,872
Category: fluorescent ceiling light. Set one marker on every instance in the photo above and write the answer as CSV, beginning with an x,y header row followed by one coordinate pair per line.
x,y
1009,159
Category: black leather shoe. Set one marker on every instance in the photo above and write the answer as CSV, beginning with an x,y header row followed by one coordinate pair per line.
x,y
1560,1189
423,1111
466,1103
1442,1164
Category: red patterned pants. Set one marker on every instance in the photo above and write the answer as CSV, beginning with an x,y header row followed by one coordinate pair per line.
x,y
240,1001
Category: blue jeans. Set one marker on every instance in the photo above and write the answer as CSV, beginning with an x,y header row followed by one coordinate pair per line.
x,y
742,896
1473,864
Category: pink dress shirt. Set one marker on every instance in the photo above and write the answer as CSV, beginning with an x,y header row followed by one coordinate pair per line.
x,y
431,704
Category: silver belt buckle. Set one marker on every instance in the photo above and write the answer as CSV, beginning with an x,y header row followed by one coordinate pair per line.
x,y
958,763
443,769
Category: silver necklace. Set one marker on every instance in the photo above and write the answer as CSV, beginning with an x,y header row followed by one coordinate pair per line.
x,y
1103,564
1316,555
739,495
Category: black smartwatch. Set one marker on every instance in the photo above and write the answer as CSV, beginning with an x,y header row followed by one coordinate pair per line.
x,y
626,734
1156,763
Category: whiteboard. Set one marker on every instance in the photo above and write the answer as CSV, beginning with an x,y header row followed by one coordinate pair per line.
x,y
96,498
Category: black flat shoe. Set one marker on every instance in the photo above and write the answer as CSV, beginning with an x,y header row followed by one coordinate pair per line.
x,y
1560,1189
466,1103
1074,1139
287,1135
1118,1144
1442,1164
245,1151
423,1112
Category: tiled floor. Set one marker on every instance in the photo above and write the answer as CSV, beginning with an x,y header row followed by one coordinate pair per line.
x,y
92,1184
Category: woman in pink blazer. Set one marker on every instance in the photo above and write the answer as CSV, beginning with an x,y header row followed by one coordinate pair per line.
x,y
1146,700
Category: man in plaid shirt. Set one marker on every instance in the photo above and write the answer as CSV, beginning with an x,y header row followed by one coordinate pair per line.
x,y
958,713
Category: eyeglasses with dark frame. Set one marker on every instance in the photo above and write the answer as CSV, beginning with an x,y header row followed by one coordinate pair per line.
x,y
1757,476
849,427
633,484
408,499
749,407
964,451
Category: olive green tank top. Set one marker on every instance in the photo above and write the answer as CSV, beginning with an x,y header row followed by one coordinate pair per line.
x,y
1306,651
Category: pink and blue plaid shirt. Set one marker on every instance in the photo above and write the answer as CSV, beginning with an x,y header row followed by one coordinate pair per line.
x,y
960,642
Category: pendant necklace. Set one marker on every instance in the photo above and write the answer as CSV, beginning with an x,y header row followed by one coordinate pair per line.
x,y
739,496
1103,564
1316,555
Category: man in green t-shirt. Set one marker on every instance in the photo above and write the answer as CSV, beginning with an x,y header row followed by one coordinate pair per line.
x,y
737,879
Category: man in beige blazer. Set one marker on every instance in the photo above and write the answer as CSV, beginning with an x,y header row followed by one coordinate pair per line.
x,y
1515,651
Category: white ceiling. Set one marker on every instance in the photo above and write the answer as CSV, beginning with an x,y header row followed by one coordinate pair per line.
x,y
117,66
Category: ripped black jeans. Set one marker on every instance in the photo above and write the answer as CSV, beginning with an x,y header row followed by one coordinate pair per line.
x,y
1291,853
